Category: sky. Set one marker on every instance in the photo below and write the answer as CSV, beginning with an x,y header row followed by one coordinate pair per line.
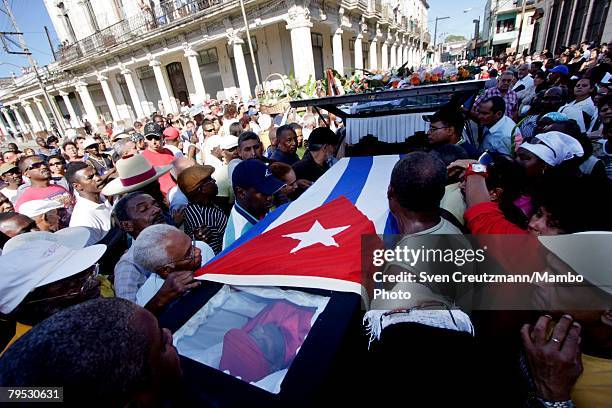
x,y
32,16
459,23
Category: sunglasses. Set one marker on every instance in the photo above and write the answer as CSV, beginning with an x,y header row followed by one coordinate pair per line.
x,y
57,163
36,165
152,137
209,130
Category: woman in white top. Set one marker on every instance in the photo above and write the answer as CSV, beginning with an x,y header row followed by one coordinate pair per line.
x,y
581,109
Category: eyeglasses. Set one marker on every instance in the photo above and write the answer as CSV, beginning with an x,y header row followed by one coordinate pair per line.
x,y
90,283
189,258
433,128
36,165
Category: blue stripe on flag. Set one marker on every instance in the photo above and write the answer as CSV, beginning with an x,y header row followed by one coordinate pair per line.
x,y
352,180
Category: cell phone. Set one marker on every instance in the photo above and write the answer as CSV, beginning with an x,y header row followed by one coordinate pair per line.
x,y
486,158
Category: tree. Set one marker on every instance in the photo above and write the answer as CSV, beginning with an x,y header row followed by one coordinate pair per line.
x,y
453,38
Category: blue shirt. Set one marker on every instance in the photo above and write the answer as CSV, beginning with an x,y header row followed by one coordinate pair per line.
x,y
289,159
498,138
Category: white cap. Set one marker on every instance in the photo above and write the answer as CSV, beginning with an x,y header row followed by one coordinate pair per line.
x,y
34,208
229,142
40,263
72,237
71,133
89,142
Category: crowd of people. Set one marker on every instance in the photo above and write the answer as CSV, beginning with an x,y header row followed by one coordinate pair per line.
x,y
102,232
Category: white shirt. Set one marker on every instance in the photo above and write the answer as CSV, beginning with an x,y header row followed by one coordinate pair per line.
x,y
499,137
574,110
526,81
175,150
96,217
154,282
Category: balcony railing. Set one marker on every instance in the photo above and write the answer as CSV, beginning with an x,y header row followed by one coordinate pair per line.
x,y
133,27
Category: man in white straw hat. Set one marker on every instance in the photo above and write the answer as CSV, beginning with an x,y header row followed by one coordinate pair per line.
x,y
72,237
44,277
46,213
101,163
136,173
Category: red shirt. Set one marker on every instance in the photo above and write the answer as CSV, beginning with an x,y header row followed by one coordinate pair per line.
x,y
487,218
161,158
52,192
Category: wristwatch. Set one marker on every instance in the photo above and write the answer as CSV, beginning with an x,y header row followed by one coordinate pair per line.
x,y
556,404
477,168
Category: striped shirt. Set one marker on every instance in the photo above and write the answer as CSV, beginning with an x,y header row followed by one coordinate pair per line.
x,y
239,222
211,217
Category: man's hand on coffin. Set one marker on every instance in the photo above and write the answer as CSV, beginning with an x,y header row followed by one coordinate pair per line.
x,y
175,285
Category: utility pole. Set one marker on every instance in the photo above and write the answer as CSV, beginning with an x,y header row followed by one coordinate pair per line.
x,y
435,29
518,37
58,121
50,43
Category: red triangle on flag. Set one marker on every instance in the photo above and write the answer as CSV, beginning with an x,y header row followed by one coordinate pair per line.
x,y
319,249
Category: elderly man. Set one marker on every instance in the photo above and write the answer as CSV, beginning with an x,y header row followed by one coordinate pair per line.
x,y
503,91
37,171
124,148
49,215
497,134
12,177
254,187
157,155
44,277
286,146
90,210
134,212
203,219
104,338
429,317
525,82
172,257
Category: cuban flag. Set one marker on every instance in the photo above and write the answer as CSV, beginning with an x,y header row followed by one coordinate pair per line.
x,y
316,240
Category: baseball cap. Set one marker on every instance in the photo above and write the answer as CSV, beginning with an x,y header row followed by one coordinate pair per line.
x,y
34,208
71,237
561,69
153,128
40,263
189,179
229,142
171,133
254,173
6,167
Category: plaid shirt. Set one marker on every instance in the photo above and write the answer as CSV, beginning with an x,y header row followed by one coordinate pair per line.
x,y
129,276
510,98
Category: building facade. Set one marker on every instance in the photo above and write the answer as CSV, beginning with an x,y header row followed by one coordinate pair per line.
x,y
502,24
121,60
561,23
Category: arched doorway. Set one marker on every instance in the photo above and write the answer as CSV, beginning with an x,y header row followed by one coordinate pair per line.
x,y
177,81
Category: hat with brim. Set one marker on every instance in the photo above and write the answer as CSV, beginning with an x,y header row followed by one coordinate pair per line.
x,y
40,263
134,173
34,208
90,141
71,237
192,177
587,253
122,135
6,167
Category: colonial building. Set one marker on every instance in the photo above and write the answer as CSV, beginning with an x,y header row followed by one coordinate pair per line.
x,y
561,23
502,24
121,60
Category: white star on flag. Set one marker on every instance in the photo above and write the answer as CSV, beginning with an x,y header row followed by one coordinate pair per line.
x,y
316,235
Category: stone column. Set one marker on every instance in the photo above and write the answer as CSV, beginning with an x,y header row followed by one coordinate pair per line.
x,y
161,84
384,63
22,124
108,95
75,121
129,81
43,113
359,52
393,56
90,108
400,54
9,120
298,23
337,51
240,64
31,116
373,54
196,75
3,129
